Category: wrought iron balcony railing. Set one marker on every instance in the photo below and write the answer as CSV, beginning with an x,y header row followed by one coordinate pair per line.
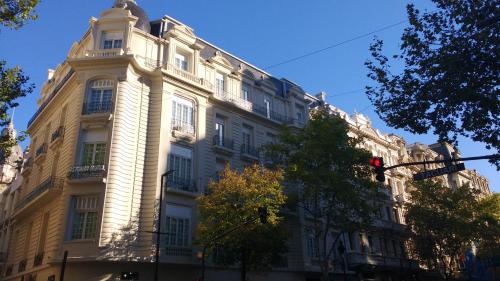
x,y
57,134
181,126
51,183
175,182
41,150
250,150
97,107
38,259
22,265
87,171
223,142
270,114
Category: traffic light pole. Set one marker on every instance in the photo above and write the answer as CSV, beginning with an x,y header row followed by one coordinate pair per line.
x,y
492,156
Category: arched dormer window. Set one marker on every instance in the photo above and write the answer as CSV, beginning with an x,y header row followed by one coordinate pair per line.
x,y
99,97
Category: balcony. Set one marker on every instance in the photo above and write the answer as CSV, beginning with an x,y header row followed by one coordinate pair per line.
x,y
27,166
372,260
178,251
40,152
295,122
104,53
249,152
175,183
223,145
100,107
57,136
182,130
87,173
390,225
9,270
148,62
233,99
269,114
22,265
38,259
188,77
40,195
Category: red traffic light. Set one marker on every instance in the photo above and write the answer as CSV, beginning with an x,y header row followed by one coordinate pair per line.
x,y
375,162
378,164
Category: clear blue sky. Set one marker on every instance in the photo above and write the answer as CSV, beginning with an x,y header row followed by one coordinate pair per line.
x,y
261,32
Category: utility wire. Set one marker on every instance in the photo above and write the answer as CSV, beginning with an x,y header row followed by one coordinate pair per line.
x,y
335,45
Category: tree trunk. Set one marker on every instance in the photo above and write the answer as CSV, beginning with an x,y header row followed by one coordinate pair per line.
x,y
243,269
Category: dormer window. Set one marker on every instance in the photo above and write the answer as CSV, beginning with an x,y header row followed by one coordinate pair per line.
x,y
181,62
219,83
112,40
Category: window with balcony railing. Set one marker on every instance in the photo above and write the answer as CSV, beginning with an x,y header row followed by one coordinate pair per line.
x,y
223,142
92,161
41,150
180,160
99,98
83,217
57,134
182,116
250,150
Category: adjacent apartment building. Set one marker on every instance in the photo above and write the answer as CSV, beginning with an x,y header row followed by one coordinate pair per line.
x,y
136,98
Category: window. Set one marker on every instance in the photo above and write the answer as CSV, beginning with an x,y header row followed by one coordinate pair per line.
x,y
177,226
267,105
219,83
300,113
83,220
220,130
181,62
43,233
247,135
180,160
245,92
182,115
99,98
312,246
177,231
93,154
112,40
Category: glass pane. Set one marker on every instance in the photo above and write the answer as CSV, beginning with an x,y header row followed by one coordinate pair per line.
x,y
118,44
108,44
77,227
90,225
100,152
88,149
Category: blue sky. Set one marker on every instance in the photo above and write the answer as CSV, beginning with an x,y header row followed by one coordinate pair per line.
x,y
261,32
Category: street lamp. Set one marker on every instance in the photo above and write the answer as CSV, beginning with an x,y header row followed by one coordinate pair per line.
x,y
158,228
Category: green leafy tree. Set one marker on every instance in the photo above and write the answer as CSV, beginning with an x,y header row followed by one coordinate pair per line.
x,y
445,222
336,191
449,80
13,82
15,13
489,226
234,200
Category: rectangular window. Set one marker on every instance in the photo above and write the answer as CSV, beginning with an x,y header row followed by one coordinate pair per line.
x,y
267,105
299,113
83,221
312,246
219,83
220,130
245,92
112,40
181,62
247,135
182,115
43,233
180,160
93,154
177,232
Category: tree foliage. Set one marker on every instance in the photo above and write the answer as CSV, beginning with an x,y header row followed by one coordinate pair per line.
x,y
445,222
13,85
15,13
337,192
233,201
449,80
489,226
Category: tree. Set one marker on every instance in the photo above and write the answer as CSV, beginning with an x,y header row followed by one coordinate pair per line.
x,y
336,192
449,80
234,200
445,222
15,13
489,226
13,82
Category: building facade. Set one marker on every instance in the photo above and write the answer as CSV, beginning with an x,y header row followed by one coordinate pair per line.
x,y
134,99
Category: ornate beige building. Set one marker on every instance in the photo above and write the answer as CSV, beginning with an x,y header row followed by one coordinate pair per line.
x,y
134,99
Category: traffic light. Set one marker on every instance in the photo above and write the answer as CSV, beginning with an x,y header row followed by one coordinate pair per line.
x,y
263,214
378,164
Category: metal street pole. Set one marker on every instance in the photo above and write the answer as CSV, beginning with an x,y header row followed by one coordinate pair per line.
x,y
158,227
63,266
